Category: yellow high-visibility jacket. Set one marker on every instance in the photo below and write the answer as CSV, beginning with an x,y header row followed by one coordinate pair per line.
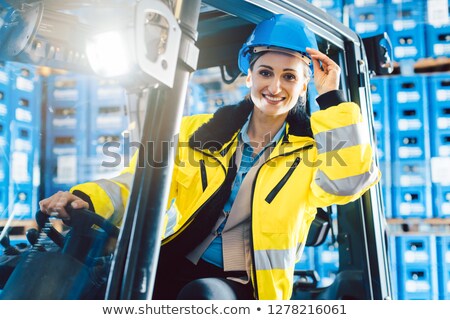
x,y
320,161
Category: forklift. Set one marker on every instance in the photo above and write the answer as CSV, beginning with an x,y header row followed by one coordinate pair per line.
x,y
168,40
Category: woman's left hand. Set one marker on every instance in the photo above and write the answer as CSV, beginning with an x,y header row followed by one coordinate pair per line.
x,y
326,76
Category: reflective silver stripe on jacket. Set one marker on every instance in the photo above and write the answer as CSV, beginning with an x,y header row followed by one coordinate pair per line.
x,y
114,194
274,259
172,220
340,138
346,186
126,179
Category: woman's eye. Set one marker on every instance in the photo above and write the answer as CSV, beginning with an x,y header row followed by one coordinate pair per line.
x,y
290,77
265,73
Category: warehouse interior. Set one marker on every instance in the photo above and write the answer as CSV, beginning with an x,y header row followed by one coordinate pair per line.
x,y
55,127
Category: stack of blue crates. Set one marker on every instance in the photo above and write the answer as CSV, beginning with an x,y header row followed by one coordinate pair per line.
x,y
367,17
410,143
380,104
439,96
107,126
406,28
24,105
66,131
443,256
4,139
417,268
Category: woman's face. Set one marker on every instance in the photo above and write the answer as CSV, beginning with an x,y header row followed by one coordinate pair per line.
x,y
276,81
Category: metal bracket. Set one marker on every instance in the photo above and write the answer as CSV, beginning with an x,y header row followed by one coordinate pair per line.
x,y
158,37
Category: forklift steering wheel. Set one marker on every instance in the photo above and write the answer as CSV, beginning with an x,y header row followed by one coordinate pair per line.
x,y
76,242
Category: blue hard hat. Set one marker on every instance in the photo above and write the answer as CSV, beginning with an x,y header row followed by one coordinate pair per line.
x,y
280,31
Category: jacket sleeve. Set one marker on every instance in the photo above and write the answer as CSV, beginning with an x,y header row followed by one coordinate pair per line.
x,y
108,197
344,166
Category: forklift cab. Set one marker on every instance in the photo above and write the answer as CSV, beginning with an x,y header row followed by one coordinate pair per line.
x,y
199,35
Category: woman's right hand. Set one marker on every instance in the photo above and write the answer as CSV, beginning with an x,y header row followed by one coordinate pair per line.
x,y
55,205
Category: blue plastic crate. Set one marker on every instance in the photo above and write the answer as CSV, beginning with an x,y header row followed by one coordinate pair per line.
x,y
4,153
367,21
439,97
443,253
438,41
411,173
441,202
3,202
405,15
65,153
408,44
4,91
25,94
444,283
364,3
383,146
410,145
22,153
21,200
68,89
107,106
386,187
409,103
440,143
416,250
411,202
105,155
417,283
380,103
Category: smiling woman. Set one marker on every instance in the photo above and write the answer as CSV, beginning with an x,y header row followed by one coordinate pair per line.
x,y
247,179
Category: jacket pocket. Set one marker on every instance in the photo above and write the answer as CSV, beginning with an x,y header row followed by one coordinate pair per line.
x,y
272,194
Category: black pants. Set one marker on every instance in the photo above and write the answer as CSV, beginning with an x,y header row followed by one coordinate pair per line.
x,y
181,279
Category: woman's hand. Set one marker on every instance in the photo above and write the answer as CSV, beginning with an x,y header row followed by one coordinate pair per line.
x,y
326,76
54,205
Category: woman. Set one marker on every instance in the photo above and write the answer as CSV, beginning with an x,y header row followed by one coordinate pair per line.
x,y
248,179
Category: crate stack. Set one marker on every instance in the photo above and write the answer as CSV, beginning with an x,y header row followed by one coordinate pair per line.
x,y
24,107
107,129
4,139
380,103
411,148
417,268
439,97
406,22
66,131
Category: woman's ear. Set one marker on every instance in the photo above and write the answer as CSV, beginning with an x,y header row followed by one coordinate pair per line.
x,y
248,79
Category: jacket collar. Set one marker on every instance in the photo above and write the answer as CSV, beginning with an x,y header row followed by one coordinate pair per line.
x,y
219,132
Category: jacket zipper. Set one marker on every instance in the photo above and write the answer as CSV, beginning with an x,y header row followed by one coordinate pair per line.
x,y
282,182
252,251
192,217
203,174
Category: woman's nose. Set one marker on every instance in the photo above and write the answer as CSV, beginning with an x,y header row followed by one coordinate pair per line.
x,y
274,86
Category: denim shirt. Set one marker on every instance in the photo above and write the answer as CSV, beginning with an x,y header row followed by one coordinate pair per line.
x,y
213,253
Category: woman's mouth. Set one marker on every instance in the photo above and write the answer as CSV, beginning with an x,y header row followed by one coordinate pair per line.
x,y
273,99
